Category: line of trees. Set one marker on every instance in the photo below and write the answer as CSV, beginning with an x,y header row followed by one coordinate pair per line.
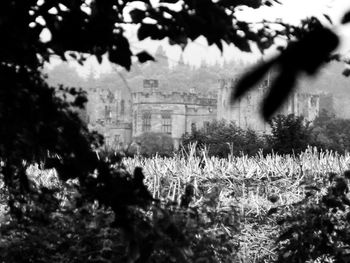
x,y
288,134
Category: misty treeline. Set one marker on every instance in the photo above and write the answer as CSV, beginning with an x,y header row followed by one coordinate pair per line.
x,y
172,75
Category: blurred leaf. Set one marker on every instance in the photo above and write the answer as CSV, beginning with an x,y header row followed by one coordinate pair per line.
x,y
305,55
251,78
280,89
272,211
169,1
149,30
144,57
273,198
346,18
328,18
346,72
137,15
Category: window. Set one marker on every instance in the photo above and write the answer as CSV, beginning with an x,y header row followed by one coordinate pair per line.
x,y
116,112
166,123
135,122
193,127
206,126
150,83
116,140
146,121
122,107
108,113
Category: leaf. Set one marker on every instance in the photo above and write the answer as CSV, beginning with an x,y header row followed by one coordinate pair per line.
x,y
121,54
148,30
272,211
268,3
273,198
287,234
328,18
169,1
304,55
346,18
248,81
346,72
137,15
143,57
219,45
347,174
312,188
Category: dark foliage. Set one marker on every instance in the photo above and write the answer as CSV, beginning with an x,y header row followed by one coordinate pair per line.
x,y
76,230
332,133
318,226
289,134
222,139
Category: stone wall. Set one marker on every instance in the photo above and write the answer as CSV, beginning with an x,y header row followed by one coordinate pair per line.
x,y
186,111
246,113
110,114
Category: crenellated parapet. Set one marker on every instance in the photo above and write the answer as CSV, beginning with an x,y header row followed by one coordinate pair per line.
x,y
174,97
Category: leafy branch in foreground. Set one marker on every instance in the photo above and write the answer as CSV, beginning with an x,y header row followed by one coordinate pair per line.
x,y
318,227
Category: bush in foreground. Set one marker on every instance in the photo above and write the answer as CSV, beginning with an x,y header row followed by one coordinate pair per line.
x,y
76,230
318,227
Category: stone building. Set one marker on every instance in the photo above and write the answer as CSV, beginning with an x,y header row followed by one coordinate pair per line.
x,y
302,104
109,112
245,113
173,113
327,102
121,115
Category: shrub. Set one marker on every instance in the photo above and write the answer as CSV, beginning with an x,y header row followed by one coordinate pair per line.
x,y
318,227
332,133
289,134
223,138
81,231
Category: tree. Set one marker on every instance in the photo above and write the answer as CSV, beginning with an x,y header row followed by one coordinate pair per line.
x,y
289,134
332,133
222,139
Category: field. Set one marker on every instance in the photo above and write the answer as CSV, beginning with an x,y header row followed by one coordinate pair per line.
x,y
247,183
244,187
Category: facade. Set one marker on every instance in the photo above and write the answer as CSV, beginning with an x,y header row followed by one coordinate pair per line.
x,y
173,113
245,113
121,115
327,103
302,104
109,113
